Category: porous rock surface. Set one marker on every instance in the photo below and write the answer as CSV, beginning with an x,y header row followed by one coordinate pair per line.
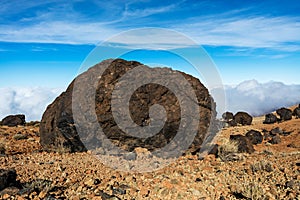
x,y
58,129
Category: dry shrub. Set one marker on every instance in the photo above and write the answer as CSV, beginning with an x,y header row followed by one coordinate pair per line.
x,y
227,150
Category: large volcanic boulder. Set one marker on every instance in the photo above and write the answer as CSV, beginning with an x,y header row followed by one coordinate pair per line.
x,y
284,113
254,136
57,128
13,120
227,116
244,144
296,112
270,119
243,118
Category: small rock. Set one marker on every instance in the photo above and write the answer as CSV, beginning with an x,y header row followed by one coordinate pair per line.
x,y
275,140
90,182
227,116
31,140
254,136
292,145
276,131
97,181
195,192
119,191
7,178
198,180
244,144
130,156
222,198
290,184
19,136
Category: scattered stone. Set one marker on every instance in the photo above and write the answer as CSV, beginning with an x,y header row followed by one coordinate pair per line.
x,y
2,149
243,118
232,123
19,136
7,178
106,196
270,119
198,180
267,152
266,134
222,198
275,139
227,116
276,131
254,136
31,140
130,156
214,150
14,120
296,112
244,144
9,191
284,113
118,191
290,184
293,145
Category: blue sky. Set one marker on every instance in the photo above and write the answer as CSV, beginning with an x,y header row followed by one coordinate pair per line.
x,y
43,43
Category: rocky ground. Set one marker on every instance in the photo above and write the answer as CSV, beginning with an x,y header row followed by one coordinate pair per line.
x,y
271,172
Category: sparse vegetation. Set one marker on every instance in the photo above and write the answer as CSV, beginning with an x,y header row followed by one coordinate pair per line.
x,y
33,123
250,190
262,165
227,149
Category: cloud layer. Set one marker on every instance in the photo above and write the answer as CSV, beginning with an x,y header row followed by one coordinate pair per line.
x,y
259,98
68,23
250,96
29,101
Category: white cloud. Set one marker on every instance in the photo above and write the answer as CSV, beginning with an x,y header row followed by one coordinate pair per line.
x,y
250,96
225,29
256,32
29,101
259,98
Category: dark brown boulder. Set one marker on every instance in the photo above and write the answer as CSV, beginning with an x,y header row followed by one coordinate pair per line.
x,y
244,144
276,131
14,120
284,113
296,112
270,119
57,128
227,116
254,136
7,178
275,139
243,118
232,123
